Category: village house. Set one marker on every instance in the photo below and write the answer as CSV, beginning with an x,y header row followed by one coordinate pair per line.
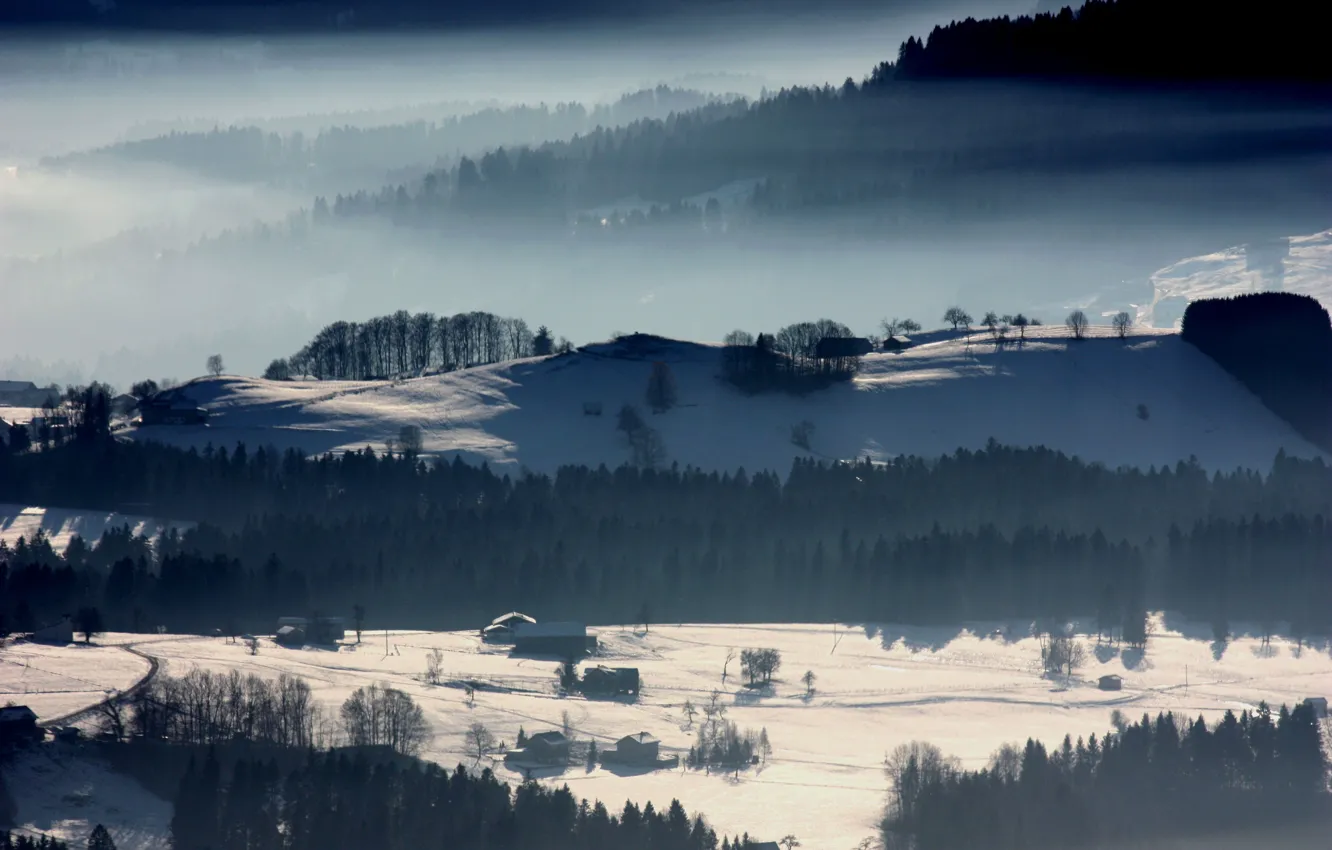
x,y
611,681
501,629
547,748
641,748
1110,683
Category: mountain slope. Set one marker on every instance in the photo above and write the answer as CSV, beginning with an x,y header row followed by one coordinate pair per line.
x,y
1083,398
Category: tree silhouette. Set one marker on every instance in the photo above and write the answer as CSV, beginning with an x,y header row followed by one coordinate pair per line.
x,y
1122,322
100,839
1077,323
957,317
661,390
214,365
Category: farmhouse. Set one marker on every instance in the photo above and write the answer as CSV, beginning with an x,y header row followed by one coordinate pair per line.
x,y
547,748
641,748
298,630
171,408
1110,683
290,635
611,680
565,640
18,723
61,632
501,629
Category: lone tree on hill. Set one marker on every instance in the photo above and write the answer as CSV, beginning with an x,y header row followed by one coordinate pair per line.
x,y
480,743
661,391
1078,324
957,317
543,344
1021,322
89,621
214,365
1122,322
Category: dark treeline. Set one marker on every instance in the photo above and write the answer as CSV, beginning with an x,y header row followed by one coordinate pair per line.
x,y
790,359
1149,780
247,153
1277,344
1148,40
976,535
339,801
9,841
405,343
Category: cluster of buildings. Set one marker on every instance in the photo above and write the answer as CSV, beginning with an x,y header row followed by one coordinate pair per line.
x,y
552,749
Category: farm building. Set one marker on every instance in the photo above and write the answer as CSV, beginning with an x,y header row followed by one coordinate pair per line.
x,y
565,640
547,748
290,635
314,630
171,409
611,680
60,633
893,345
18,723
501,629
1110,683
1318,704
641,748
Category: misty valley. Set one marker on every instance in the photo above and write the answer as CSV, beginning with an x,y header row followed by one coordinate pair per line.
x,y
853,426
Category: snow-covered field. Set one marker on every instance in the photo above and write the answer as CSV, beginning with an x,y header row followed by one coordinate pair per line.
x,y
57,680
61,524
59,792
1080,397
967,690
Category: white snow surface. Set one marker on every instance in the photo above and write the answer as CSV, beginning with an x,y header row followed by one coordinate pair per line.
x,y
60,792
57,680
1080,397
968,690
61,524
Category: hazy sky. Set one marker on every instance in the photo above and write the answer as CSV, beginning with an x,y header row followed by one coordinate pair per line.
x,y
120,311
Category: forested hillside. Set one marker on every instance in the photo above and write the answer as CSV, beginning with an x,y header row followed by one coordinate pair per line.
x,y
998,533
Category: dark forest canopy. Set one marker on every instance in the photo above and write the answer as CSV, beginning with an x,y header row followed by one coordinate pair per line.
x,y
976,535
1161,777
1279,345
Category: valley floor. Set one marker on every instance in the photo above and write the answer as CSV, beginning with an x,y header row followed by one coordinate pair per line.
x,y
967,690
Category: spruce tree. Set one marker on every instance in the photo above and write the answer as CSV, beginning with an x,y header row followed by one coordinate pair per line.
x,y
100,839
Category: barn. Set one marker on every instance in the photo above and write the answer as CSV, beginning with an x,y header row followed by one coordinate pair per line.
x,y
547,748
60,632
563,640
501,629
611,680
1110,683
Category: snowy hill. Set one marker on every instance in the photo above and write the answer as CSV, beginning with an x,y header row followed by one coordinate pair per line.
x,y
1152,399
967,689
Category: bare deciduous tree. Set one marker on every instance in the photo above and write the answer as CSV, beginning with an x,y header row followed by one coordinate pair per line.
x,y
480,743
688,710
1122,322
434,665
808,679
379,715
253,645
1077,323
801,433
111,719
410,441
957,317
730,656
790,842
1062,653
214,365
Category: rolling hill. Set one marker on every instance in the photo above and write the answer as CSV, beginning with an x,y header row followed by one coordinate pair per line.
x,y
1149,400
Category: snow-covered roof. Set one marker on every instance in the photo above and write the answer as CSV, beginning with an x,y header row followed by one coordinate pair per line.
x,y
534,630
547,738
17,386
640,738
510,618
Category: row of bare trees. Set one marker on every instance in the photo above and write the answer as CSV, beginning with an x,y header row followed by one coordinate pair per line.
x,y
383,716
203,707
403,343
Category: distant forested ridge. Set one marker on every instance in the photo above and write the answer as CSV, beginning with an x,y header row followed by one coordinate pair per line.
x,y
976,535
1279,345
245,153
